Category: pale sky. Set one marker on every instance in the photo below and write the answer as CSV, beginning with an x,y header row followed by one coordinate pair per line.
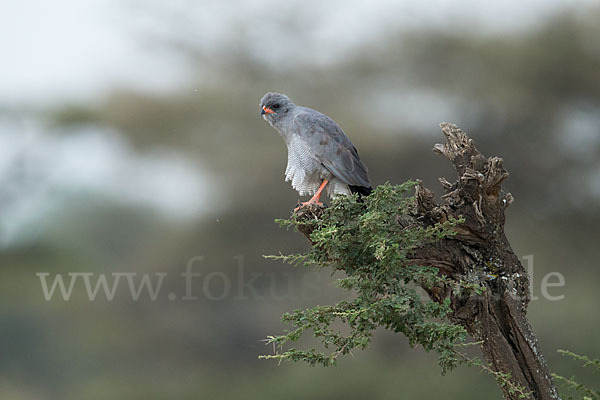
x,y
64,49
77,50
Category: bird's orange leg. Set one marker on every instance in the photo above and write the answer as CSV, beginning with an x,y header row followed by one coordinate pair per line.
x,y
316,197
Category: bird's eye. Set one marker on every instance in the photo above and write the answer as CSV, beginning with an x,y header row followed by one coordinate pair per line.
x,y
276,105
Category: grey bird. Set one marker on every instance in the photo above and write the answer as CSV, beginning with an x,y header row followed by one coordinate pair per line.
x,y
319,152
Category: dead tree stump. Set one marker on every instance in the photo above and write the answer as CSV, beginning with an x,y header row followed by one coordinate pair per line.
x,y
480,253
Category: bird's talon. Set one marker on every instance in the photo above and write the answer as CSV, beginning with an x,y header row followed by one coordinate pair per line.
x,y
309,203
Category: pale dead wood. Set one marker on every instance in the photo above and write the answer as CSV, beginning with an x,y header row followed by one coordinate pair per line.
x,y
479,253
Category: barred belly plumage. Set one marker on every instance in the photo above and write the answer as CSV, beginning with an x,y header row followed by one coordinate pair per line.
x,y
306,173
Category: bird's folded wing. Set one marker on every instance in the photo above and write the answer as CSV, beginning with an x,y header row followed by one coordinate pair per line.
x,y
331,147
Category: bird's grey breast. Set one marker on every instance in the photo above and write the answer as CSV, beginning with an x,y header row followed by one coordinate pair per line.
x,y
303,170
301,156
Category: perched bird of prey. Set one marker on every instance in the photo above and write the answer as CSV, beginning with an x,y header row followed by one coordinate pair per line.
x,y
319,152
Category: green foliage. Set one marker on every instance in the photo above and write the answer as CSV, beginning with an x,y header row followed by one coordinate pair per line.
x,y
369,244
571,384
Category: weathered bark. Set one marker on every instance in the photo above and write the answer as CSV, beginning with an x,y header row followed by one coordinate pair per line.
x,y
480,253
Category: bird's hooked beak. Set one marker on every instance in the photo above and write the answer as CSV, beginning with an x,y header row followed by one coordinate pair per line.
x,y
266,110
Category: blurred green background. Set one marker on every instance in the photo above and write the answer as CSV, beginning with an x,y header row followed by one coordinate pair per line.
x,y
131,141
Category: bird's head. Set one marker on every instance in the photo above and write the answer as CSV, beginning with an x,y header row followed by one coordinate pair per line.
x,y
275,106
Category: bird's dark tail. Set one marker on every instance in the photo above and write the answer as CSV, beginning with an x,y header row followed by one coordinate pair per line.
x,y
361,190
